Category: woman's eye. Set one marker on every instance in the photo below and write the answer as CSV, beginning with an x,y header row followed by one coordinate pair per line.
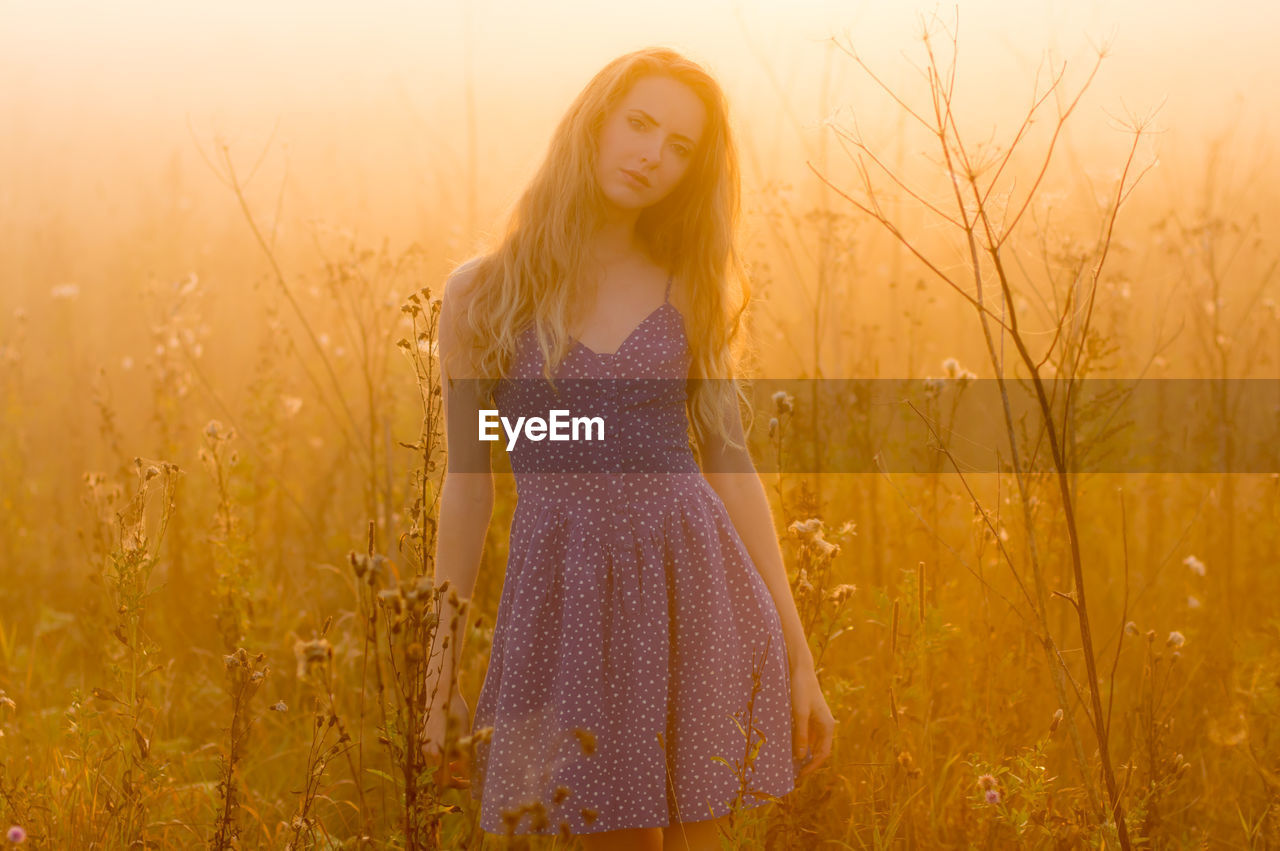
x,y
682,150
637,123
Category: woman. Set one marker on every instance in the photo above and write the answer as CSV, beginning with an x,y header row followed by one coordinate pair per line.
x,y
646,637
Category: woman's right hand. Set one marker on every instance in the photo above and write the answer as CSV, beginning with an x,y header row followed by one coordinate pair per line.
x,y
456,774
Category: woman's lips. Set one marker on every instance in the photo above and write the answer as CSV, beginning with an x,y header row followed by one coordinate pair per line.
x,y
634,177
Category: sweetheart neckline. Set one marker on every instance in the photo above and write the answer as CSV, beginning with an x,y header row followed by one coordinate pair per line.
x,y
579,344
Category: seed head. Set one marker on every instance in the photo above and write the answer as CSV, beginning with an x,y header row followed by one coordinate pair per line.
x,y
317,651
840,593
806,528
1195,565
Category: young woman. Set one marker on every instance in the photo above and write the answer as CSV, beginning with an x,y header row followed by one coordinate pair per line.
x,y
645,620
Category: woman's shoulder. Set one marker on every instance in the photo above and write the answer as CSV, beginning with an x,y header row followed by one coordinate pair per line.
x,y
458,284
459,290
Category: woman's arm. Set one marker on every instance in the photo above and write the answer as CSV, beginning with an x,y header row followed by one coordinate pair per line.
x,y
732,475
467,497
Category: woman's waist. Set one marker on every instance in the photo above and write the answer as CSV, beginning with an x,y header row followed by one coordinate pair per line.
x,y
587,492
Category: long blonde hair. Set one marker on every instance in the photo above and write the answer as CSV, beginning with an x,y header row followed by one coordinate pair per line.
x,y
539,267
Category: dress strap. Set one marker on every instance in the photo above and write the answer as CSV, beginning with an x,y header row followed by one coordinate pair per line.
x,y
666,297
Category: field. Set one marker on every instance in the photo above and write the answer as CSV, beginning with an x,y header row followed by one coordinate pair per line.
x,y
1036,628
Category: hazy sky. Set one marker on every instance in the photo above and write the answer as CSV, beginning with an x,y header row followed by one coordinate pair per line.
x,y
225,51
371,92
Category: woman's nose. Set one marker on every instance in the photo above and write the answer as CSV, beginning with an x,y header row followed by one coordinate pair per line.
x,y
653,156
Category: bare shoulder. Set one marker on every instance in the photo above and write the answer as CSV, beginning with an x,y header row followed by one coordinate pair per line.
x,y
457,287
458,292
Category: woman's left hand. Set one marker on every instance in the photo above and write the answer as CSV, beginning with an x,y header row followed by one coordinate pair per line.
x,y
813,725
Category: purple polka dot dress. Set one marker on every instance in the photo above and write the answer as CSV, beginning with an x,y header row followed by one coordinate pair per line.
x,y
633,626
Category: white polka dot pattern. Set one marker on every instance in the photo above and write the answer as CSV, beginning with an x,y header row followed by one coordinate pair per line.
x,y
629,621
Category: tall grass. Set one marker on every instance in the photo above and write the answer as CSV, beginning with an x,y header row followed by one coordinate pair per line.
x,y
220,635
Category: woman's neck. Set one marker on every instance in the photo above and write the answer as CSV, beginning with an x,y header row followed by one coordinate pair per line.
x,y
615,242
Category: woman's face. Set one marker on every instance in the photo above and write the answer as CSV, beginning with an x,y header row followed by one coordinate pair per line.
x,y
647,143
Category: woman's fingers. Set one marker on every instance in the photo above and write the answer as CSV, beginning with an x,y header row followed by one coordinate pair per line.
x,y
825,731
820,729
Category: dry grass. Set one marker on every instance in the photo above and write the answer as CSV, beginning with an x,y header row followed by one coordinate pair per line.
x,y
1034,657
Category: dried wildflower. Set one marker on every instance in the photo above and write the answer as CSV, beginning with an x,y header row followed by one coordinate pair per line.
x,y
382,571
586,739
279,706
993,796
1175,639
806,528
16,835
318,651
1195,565
840,593
1130,628
773,426
784,402
359,563
825,548
986,781
1057,719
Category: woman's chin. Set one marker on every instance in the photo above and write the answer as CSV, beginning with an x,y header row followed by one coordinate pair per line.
x,y
628,203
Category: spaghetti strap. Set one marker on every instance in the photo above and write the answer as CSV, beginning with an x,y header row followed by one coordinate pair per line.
x,y
666,297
